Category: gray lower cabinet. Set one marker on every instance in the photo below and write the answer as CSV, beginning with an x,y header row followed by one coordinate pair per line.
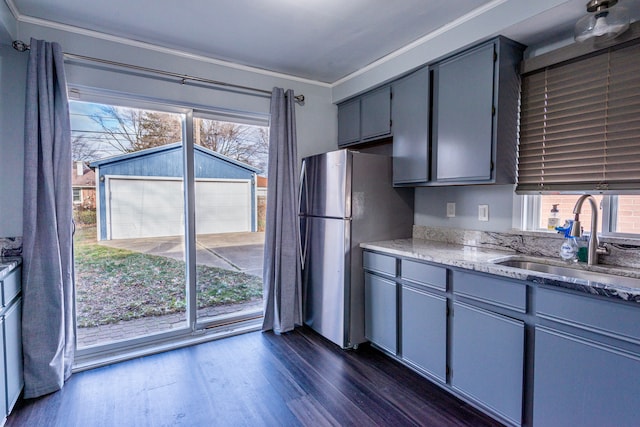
x,y
487,360
380,311
411,128
587,361
579,382
424,331
11,378
13,352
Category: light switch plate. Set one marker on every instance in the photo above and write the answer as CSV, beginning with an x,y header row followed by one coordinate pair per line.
x,y
451,209
483,212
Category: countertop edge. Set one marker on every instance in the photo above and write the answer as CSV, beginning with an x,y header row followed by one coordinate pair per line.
x,y
480,260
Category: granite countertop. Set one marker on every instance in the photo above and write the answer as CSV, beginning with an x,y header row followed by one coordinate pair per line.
x,y
482,260
8,264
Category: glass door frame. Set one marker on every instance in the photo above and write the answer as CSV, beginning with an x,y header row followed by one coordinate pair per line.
x,y
101,354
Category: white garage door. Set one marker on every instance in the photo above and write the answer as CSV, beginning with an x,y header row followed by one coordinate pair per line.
x,y
148,207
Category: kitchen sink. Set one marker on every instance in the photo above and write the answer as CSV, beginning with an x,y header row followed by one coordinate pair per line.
x,y
569,271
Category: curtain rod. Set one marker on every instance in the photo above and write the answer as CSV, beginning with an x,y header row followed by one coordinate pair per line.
x,y
22,47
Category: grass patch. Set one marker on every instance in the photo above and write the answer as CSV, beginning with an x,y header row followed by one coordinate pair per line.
x,y
115,284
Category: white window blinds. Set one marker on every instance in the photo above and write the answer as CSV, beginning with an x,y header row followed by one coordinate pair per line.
x,y
580,124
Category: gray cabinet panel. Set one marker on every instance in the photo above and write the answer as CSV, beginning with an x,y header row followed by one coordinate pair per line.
x,y
13,349
411,128
349,122
487,359
491,289
424,331
376,113
11,286
464,116
380,263
591,313
429,275
581,383
380,311
3,375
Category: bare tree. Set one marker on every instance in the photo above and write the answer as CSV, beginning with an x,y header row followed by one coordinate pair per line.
x,y
248,144
128,130
83,150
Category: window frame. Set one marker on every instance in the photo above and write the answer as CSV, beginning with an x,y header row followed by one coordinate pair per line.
x,y
530,216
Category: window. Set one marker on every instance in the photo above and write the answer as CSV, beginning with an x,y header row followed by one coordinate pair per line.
x,y
77,195
579,133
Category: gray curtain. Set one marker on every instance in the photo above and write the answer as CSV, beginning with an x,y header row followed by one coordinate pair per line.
x,y
282,281
47,321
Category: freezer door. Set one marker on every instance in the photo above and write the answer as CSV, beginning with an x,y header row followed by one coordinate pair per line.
x,y
326,186
325,278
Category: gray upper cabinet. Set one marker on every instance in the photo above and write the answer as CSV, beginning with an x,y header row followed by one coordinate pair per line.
x,y
349,122
411,128
365,118
475,114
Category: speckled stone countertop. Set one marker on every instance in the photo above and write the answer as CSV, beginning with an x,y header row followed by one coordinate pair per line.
x,y
483,260
8,264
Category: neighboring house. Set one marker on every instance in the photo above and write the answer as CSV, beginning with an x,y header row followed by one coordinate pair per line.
x,y
83,182
141,194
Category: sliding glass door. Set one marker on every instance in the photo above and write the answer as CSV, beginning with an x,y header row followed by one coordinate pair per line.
x,y
169,213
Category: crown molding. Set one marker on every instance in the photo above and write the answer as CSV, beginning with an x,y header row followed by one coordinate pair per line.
x,y
424,39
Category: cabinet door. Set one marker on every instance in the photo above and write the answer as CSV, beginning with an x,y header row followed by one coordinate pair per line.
x,y
463,128
376,113
13,352
411,128
488,359
349,122
380,312
3,375
582,383
424,331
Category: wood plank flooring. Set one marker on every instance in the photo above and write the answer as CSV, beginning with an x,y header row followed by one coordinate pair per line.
x,y
256,379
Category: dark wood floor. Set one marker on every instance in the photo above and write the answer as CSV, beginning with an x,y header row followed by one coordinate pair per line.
x,y
251,380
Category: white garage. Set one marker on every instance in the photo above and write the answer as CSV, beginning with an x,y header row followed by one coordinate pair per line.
x,y
141,194
154,207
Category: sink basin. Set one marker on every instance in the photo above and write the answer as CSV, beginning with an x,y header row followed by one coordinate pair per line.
x,y
566,271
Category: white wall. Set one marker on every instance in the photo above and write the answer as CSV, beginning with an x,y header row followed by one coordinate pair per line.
x,y
8,25
316,119
13,69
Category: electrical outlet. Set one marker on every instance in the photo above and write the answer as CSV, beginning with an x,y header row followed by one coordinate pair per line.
x,y
483,212
451,209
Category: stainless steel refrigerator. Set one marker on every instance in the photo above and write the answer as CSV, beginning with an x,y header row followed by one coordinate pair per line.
x,y
346,198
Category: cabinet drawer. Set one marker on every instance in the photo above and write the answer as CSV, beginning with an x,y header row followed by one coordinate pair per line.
x,y
592,313
379,263
11,286
429,275
505,293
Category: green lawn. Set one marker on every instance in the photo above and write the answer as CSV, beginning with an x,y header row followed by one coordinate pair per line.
x,y
115,284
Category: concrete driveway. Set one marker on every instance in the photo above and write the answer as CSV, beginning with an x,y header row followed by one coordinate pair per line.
x,y
231,251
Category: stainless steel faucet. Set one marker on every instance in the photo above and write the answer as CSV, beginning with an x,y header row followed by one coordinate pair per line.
x,y
576,230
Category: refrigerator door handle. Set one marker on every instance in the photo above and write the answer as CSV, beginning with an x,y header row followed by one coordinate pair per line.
x,y
302,248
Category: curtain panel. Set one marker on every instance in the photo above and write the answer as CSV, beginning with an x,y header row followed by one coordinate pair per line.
x,y
47,323
282,281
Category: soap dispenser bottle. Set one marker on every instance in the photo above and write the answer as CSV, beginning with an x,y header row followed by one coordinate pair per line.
x,y
554,218
569,248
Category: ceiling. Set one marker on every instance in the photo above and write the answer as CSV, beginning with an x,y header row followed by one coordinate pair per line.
x,y
319,40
